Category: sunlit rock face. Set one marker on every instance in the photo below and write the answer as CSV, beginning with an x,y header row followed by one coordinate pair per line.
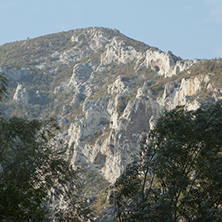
x,y
179,94
21,95
105,89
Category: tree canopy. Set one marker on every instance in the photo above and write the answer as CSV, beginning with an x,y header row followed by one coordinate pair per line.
x,y
34,173
177,175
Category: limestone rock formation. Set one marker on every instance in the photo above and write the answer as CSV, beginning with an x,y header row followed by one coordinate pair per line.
x,y
105,89
21,95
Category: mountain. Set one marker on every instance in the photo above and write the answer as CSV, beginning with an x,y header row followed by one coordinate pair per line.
x,y
104,88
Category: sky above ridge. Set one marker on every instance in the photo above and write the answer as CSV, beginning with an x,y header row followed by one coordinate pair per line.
x,y
189,28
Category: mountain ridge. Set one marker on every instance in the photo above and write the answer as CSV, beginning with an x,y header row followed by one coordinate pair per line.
x,y
104,88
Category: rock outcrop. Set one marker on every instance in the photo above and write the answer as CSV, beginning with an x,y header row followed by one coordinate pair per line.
x,y
21,95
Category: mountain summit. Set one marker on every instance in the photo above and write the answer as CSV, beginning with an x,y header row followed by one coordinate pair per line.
x,y
104,88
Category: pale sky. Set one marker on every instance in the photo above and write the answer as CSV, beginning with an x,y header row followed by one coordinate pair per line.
x,y
189,28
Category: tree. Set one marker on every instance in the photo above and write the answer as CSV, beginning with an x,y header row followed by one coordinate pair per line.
x,y
3,86
177,176
33,171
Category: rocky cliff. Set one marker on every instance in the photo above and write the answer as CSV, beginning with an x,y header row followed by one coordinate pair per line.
x,y
104,88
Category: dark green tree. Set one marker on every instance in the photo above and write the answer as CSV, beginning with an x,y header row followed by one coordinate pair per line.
x,y
3,86
177,175
34,173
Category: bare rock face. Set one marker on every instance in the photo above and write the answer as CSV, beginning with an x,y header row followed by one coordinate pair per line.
x,y
166,64
179,94
119,52
112,152
21,95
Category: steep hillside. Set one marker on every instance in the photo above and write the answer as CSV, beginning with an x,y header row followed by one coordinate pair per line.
x,y
104,88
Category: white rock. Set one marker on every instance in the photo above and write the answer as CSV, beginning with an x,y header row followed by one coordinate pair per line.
x,y
21,95
165,64
118,52
175,95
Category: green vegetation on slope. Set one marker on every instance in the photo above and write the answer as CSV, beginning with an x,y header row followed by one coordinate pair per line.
x,y
31,168
177,174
